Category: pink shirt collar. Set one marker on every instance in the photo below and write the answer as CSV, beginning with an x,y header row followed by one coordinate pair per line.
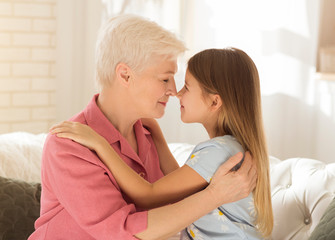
x,y
99,122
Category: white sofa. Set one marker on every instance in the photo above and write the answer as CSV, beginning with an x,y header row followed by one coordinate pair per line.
x,y
302,188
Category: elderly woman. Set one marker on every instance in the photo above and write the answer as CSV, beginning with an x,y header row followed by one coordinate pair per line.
x,y
136,61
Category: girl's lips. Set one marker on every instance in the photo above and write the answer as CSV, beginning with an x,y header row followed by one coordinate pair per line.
x,y
163,103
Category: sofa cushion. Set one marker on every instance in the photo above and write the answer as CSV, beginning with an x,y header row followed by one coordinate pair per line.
x,y
20,155
325,230
19,208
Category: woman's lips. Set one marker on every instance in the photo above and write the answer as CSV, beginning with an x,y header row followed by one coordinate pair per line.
x,y
163,103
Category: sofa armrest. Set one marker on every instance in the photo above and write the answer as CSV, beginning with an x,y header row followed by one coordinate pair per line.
x,y
301,191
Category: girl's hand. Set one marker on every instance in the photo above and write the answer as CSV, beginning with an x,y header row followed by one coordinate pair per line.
x,y
78,132
150,123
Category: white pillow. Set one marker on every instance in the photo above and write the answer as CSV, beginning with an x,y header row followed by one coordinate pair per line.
x,y
20,155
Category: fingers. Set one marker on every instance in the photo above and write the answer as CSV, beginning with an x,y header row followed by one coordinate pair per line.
x,y
246,165
230,163
63,127
149,123
59,130
57,125
249,170
65,135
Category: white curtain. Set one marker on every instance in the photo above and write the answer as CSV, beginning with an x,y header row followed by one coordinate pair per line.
x,y
282,38
78,22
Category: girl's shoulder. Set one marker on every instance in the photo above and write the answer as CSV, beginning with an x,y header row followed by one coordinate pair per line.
x,y
209,155
222,143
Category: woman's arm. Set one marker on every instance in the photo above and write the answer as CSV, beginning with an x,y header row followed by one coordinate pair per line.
x,y
166,160
146,195
226,186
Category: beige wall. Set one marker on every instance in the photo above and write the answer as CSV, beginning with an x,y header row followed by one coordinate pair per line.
x,y
326,45
27,65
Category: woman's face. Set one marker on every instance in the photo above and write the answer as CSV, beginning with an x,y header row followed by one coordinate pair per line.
x,y
153,87
194,105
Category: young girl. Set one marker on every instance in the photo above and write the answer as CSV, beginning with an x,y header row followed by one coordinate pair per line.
x,y
222,92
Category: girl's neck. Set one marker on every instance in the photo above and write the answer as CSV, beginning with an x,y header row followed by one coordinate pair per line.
x,y
212,135
211,130
211,124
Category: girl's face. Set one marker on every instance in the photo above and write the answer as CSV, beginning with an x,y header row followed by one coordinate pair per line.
x,y
195,106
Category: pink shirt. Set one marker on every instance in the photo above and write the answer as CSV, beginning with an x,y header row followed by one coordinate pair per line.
x,y
80,198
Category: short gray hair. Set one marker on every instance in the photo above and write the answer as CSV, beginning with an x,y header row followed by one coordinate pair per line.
x,y
132,40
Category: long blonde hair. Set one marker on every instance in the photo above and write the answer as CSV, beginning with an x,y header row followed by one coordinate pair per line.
x,y
232,74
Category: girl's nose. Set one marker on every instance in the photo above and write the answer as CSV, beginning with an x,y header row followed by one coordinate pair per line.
x,y
180,93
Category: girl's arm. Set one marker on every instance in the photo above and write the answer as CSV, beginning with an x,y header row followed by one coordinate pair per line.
x,y
167,161
145,195
226,186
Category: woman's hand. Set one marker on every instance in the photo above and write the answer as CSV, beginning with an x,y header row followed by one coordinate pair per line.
x,y
230,186
78,132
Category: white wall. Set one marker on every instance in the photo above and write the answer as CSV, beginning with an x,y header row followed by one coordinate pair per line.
x,y
27,65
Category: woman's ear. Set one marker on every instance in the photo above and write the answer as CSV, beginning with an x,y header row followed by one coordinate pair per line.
x,y
123,73
216,102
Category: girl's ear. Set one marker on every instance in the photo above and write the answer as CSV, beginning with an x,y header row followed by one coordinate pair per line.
x,y
216,102
123,73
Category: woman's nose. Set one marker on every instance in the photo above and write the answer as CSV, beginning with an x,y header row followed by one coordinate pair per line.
x,y
172,91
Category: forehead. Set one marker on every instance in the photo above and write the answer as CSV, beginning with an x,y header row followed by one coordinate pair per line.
x,y
189,77
162,66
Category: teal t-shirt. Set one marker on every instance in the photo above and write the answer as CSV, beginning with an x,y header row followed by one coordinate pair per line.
x,y
230,221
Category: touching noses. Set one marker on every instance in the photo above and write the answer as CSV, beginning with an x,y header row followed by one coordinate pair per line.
x,y
171,91
180,93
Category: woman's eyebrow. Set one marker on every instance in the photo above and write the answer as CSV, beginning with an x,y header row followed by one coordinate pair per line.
x,y
167,73
170,72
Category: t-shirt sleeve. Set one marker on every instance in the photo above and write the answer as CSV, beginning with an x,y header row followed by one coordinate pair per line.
x,y
206,160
